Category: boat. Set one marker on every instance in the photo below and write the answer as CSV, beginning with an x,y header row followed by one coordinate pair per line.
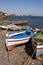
x,y
38,39
14,27
7,26
3,26
18,37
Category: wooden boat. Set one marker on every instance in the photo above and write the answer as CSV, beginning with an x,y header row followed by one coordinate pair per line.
x,y
10,27
18,37
38,38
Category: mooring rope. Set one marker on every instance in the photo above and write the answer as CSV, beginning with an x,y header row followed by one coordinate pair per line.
x,y
31,56
29,59
8,57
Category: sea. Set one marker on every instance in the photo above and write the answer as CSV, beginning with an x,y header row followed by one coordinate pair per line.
x,y
32,20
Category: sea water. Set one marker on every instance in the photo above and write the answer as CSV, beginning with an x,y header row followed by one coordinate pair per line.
x,y
32,20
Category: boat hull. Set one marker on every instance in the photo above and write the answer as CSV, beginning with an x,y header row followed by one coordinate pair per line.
x,y
39,50
11,43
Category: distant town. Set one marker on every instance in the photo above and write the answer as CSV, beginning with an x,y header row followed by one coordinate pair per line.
x,y
2,14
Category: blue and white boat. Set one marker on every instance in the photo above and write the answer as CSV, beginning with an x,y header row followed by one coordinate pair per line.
x,y
18,37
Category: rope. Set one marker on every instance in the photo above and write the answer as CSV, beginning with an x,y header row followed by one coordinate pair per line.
x,y
29,59
32,54
8,57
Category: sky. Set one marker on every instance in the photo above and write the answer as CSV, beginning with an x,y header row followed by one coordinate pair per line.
x,y
22,7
